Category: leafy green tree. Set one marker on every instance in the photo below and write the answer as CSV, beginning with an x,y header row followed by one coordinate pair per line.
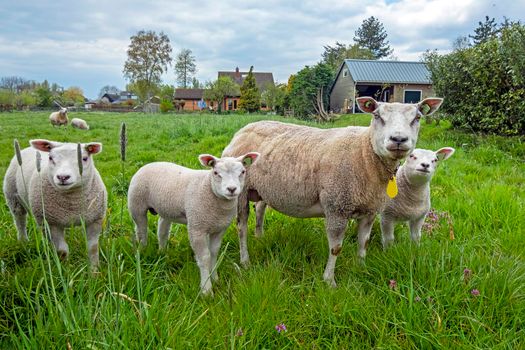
x,y
73,96
250,100
219,89
185,68
149,55
196,84
273,96
44,95
372,35
485,31
335,55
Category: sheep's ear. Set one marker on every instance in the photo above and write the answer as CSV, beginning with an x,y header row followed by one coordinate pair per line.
x,y
249,158
93,147
429,105
367,104
444,153
44,145
208,160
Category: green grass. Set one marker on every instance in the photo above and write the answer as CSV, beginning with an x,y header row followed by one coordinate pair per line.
x,y
47,304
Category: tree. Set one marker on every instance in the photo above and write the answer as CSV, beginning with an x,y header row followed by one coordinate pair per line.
x,y
372,35
219,89
485,31
108,89
250,100
273,96
73,96
149,55
14,83
185,68
461,43
335,55
196,84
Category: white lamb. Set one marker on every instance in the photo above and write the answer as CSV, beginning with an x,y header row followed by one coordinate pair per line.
x,y
59,118
79,124
339,173
59,193
204,200
412,204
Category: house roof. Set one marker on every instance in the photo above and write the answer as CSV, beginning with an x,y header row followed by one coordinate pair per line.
x,y
375,71
188,94
262,79
111,97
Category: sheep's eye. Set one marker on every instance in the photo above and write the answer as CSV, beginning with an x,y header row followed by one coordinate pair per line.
x,y
413,156
243,172
416,120
51,159
215,173
435,160
85,159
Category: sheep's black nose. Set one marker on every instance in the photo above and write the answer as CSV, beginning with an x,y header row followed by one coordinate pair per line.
x,y
231,189
425,165
63,178
398,139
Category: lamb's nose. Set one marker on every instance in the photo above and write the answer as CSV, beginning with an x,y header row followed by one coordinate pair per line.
x,y
231,189
63,178
398,139
425,165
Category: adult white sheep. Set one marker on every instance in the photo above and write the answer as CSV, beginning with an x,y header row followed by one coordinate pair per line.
x,y
59,118
204,200
412,204
59,192
339,173
79,124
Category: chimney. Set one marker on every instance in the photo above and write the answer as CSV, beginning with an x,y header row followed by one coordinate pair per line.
x,y
237,73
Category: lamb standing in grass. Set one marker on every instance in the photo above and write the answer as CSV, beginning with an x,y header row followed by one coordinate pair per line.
x,y
79,124
68,197
338,173
204,200
412,204
59,118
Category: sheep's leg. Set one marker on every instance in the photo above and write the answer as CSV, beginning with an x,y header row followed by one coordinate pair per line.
x,y
363,233
199,244
21,222
243,211
141,226
93,232
163,232
335,231
260,208
57,237
215,244
415,229
387,232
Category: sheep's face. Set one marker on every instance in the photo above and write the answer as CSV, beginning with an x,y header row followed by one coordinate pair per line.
x,y
395,126
62,162
421,164
228,173
63,111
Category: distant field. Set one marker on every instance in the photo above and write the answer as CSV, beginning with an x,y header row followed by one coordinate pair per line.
x,y
149,300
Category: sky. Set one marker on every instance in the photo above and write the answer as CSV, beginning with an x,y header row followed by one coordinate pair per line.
x,y
84,43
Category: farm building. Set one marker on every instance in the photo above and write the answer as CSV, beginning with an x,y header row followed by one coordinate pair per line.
x,y
190,99
388,81
263,80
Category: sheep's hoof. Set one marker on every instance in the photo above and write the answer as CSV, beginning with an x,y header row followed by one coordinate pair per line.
x,y
207,293
331,282
245,264
62,255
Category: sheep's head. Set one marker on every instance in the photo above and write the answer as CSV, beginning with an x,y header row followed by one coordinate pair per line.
x,y
62,164
421,164
63,111
395,126
228,173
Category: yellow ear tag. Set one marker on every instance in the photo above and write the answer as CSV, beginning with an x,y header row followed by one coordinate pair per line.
x,y
391,188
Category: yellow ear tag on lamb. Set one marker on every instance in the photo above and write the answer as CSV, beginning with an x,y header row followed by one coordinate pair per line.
x,y
391,188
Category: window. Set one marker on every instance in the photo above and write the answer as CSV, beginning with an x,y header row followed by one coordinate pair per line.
x,y
230,104
345,72
412,96
234,104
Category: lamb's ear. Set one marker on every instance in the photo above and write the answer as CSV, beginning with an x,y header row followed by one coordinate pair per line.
x,y
249,158
93,147
208,160
44,145
367,104
429,105
445,153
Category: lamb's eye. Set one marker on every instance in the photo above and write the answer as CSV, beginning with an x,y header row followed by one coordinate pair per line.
x,y
215,173
243,172
85,159
413,157
51,159
416,120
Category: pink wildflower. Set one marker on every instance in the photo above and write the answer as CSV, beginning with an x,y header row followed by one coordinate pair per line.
x,y
392,284
474,292
281,327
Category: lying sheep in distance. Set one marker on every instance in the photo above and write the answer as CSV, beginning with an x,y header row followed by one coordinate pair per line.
x,y
59,118
338,173
59,192
412,203
79,124
204,200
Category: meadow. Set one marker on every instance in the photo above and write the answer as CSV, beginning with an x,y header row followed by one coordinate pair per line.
x,y
463,287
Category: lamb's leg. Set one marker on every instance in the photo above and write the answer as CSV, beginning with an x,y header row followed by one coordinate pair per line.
x,y
199,244
335,231
163,232
363,233
387,231
57,237
18,211
93,232
215,245
260,209
415,229
243,211
140,217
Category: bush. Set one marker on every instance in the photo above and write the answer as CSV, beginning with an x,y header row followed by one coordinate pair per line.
x,y
483,86
166,106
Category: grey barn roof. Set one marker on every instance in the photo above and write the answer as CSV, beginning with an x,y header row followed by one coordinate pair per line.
x,y
374,71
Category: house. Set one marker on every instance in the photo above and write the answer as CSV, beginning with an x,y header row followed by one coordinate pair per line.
x,y
262,80
388,81
190,99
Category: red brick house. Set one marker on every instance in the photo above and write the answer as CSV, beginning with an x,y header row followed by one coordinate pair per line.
x,y
191,99
262,79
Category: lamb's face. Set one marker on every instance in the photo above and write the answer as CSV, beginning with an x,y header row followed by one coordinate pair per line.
x,y
395,126
62,165
421,164
228,173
